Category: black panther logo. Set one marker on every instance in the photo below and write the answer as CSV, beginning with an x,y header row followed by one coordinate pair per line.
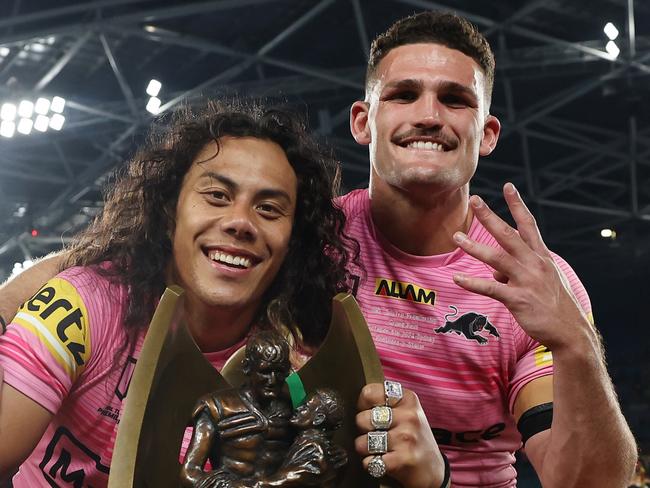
x,y
468,325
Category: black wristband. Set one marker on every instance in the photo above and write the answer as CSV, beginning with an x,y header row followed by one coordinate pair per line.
x,y
3,324
446,481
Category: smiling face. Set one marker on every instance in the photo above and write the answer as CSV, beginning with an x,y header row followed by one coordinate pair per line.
x,y
233,223
425,118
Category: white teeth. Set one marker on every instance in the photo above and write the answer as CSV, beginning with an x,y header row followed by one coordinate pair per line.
x,y
230,259
425,145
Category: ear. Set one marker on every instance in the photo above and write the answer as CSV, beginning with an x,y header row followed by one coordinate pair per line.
x,y
359,122
491,130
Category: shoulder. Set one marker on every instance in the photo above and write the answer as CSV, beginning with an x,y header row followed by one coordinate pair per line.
x,y
353,203
57,317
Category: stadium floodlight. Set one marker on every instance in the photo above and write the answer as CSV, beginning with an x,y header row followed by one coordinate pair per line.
x,y
7,128
153,106
36,47
56,122
57,105
42,106
612,49
4,51
25,126
25,109
41,123
608,234
610,31
8,111
153,88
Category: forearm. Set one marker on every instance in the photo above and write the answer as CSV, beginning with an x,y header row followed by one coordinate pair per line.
x,y
16,291
590,443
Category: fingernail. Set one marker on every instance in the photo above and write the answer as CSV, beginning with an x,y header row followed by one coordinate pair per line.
x,y
510,188
459,278
459,237
477,202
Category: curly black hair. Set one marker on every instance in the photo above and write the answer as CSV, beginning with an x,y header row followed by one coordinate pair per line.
x,y
134,230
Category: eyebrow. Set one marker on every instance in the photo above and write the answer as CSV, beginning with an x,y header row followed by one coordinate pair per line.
x,y
413,84
234,186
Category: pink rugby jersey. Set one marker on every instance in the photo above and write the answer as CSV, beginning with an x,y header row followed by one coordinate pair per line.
x,y
462,353
60,352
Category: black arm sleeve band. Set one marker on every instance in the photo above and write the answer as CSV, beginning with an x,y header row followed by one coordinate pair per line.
x,y
3,325
535,420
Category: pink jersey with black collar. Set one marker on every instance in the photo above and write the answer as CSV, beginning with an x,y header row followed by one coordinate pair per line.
x,y
60,351
462,353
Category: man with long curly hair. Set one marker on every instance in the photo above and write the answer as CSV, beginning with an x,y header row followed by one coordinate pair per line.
x,y
233,203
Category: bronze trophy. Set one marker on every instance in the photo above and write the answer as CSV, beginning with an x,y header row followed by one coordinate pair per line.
x,y
173,385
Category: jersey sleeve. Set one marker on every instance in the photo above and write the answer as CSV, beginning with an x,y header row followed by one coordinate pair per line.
x,y
534,359
47,346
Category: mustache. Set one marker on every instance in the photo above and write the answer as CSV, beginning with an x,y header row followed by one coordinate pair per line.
x,y
429,133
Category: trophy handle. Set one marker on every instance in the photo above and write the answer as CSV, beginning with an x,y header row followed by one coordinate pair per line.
x,y
346,361
170,375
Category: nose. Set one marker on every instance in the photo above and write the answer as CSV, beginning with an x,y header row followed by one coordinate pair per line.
x,y
239,222
427,112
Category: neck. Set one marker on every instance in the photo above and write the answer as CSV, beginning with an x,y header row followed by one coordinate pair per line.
x,y
216,328
420,221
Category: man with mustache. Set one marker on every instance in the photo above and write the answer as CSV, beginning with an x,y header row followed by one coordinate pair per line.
x,y
521,360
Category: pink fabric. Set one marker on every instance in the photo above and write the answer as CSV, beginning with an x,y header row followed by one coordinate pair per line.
x,y
86,400
467,386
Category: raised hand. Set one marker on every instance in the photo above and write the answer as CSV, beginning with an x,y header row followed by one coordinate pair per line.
x,y
526,279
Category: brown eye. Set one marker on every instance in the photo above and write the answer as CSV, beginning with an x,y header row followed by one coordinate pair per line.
x,y
269,210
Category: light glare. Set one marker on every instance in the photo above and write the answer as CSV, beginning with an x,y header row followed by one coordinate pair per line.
x,y
56,122
58,104
25,126
8,111
608,234
36,47
153,106
153,88
41,123
7,128
4,51
610,31
26,109
42,106
612,49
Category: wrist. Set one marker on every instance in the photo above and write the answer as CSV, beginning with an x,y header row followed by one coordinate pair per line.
x,y
584,345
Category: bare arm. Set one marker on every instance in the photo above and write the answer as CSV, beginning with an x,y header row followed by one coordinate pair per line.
x,y
198,451
589,442
22,424
16,291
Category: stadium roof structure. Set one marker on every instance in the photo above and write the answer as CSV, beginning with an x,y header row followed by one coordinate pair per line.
x,y
576,132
